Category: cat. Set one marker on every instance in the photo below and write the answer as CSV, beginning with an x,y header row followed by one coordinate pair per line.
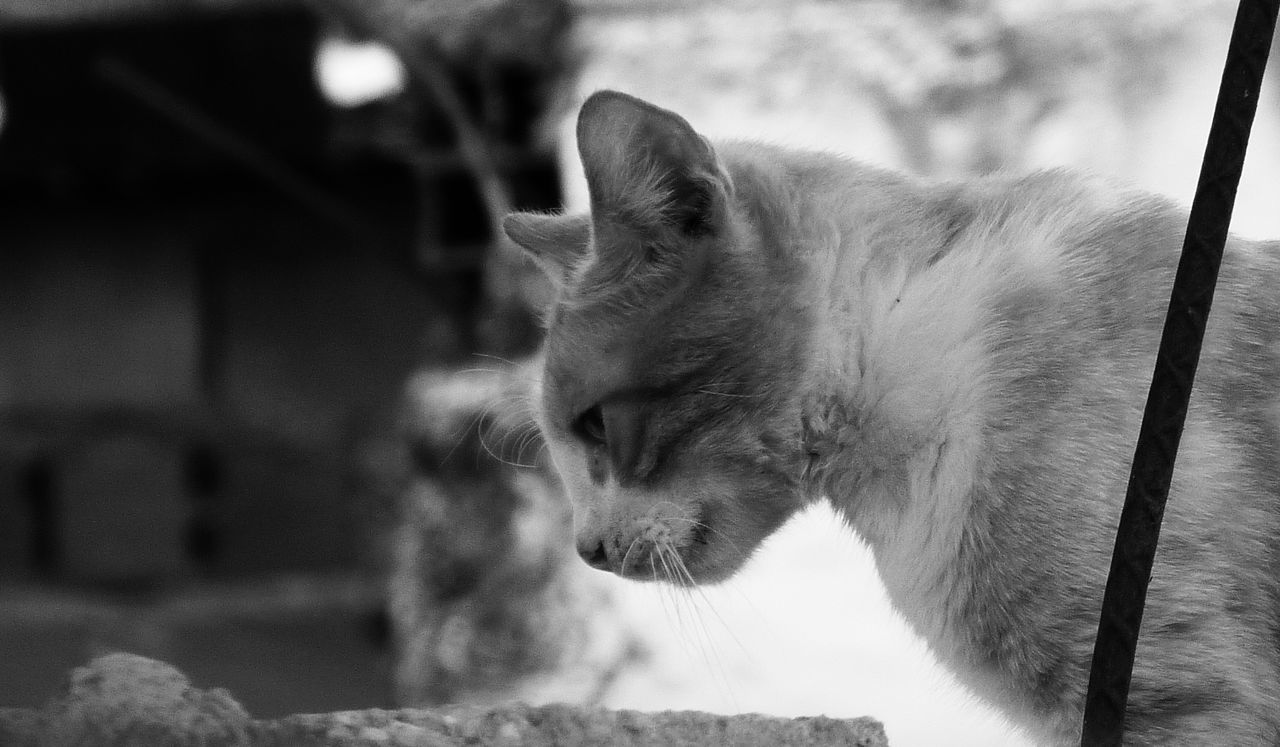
x,y
739,330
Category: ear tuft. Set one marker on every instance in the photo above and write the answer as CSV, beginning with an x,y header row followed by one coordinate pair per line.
x,y
647,168
556,243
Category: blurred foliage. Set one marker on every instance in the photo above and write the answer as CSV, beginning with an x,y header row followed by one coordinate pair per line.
x,y
961,84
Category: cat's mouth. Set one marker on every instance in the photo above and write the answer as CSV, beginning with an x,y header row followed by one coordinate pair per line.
x,y
676,550
700,534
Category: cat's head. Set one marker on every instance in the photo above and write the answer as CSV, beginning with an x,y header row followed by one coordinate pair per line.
x,y
672,356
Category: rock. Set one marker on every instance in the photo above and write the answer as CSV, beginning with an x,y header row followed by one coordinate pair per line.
x,y
128,699
124,699
19,727
565,726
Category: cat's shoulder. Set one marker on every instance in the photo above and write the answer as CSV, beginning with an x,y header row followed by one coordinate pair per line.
x,y
1062,196
775,165
1052,199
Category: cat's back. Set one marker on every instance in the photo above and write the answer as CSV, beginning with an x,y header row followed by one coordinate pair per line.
x,y
1071,276
1077,273
1104,255
1061,271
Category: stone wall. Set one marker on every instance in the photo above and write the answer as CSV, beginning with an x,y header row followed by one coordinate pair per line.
x,y
127,699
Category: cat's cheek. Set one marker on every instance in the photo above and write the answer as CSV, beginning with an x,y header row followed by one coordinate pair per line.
x,y
736,524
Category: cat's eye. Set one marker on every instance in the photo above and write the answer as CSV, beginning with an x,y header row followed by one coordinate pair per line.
x,y
590,426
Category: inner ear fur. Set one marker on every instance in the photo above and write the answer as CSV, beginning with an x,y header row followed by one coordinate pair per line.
x,y
647,169
556,243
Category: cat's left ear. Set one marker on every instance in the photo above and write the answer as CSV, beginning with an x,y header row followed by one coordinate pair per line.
x,y
555,242
648,169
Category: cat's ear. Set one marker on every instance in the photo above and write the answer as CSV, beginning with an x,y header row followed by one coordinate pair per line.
x,y
555,242
647,169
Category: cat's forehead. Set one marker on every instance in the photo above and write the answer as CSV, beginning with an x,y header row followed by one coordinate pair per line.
x,y
586,356
625,320
595,352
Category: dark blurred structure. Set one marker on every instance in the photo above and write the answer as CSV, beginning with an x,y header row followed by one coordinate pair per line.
x,y
214,283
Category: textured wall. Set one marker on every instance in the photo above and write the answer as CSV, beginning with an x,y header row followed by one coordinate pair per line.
x,y
127,699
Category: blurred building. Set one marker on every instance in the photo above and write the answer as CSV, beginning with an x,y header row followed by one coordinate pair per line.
x,y
214,280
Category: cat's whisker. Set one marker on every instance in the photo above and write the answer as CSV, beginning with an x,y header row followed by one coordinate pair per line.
x,y
626,555
669,587
530,435
724,382
701,637
688,621
509,446
500,359
699,525
664,595
711,608
687,586
723,537
521,432
484,444
522,443
681,577
478,370
728,394
667,571
472,423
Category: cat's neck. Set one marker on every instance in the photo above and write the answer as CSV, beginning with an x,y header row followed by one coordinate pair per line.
x,y
891,408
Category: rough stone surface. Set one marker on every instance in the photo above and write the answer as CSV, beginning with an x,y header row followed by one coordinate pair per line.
x,y
128,699
19,726
124,699
564,726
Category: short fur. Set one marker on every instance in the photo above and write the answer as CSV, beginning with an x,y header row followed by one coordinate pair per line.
x,y
959,368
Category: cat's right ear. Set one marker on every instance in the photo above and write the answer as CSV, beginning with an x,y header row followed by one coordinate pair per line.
x,y
648,170
556,243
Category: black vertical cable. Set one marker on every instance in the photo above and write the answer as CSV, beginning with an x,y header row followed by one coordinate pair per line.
x,y
1175,369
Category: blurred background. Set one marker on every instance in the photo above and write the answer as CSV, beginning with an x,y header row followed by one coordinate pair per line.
x,y
262,352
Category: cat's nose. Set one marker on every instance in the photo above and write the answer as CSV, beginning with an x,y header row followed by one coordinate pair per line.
x,y
594,555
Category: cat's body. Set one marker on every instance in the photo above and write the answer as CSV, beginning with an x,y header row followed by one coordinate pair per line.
x,y
959,368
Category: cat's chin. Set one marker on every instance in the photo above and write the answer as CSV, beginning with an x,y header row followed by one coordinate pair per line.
x,y
690,566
